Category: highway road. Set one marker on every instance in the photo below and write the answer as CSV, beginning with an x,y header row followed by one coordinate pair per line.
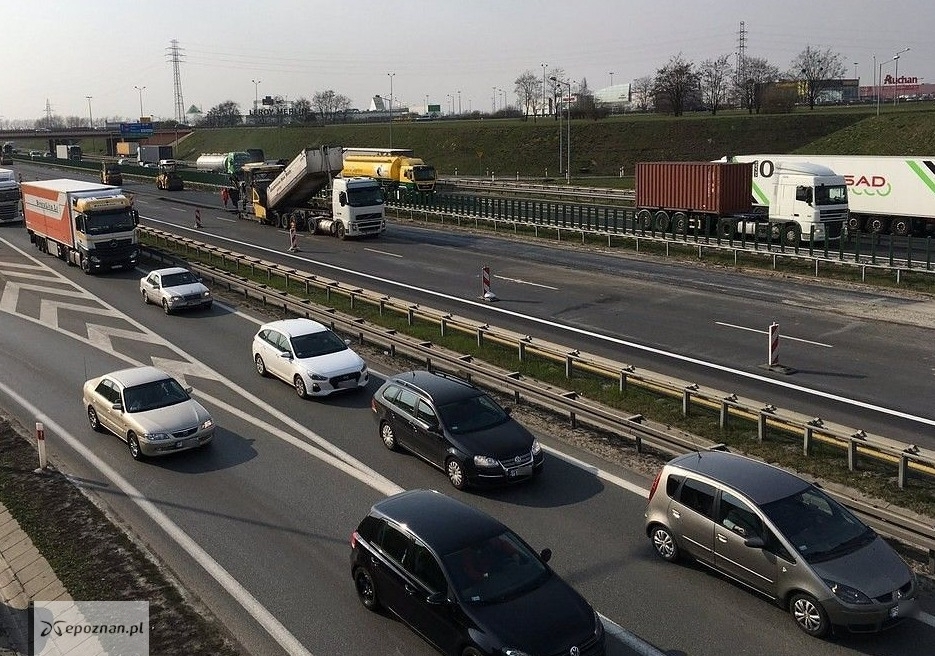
x,y
265,514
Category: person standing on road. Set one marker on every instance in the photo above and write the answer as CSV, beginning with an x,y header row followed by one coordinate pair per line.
x,y
225,196
293,237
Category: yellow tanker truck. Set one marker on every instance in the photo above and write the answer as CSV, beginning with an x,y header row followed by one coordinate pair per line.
x,y
393,168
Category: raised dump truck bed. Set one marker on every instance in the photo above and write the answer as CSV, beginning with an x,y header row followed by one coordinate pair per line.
x,y
305,176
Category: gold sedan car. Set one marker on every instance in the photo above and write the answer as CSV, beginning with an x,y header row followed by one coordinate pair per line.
x,y
149,410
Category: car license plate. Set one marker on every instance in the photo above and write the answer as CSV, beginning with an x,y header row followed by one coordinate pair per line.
x,y
525,470
348,383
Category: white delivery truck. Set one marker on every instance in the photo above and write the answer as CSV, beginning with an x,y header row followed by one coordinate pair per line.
x,y
87,224
888,195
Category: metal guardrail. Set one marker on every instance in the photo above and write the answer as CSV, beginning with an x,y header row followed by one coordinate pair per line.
x,y
888,520
621,223
504,184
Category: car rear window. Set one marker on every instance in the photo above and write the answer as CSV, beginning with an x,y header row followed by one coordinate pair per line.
x,y
698,496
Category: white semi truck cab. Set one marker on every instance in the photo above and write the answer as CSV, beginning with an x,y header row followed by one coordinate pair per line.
x,y
357,208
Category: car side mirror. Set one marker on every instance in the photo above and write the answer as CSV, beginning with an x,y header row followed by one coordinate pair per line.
x,y
755,542
117,406
436,598
286,355
545,555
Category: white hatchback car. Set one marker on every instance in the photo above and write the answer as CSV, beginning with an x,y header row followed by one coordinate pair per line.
x,y
174,289
309,356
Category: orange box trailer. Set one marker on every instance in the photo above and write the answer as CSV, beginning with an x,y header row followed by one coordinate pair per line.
x,y
715,188
84,223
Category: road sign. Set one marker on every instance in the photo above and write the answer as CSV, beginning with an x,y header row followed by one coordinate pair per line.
x,y
136,129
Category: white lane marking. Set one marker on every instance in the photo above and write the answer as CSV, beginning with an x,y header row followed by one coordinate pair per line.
x,y
764,332
925,618
379,252
590,333
180,209
631,640
224,218
249,603
520,281
599,473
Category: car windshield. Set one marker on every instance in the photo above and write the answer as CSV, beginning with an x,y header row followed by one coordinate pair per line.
x,y
494,570
153,395
105,222
364,196
313,345
818,526
474,413
831,195
178,279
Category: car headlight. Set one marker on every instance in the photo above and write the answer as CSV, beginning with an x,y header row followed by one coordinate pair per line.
x,y
156,437
848,594
363,369
207,423
486,461
536,447
206,294
174,299
314,376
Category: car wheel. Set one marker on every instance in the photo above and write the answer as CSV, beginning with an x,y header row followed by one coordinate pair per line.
x,y
300,387
145,297
664,543
809,615
388,436
260,366
366,590
93,420
455,473
165,306
134,445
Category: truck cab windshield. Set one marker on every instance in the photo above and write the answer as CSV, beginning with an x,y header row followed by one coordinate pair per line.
x,y
107,222
423,173
831,195
364,196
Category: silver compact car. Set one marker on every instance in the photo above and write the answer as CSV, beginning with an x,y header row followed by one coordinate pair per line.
x,y
149,410
308,356
175,288
781,536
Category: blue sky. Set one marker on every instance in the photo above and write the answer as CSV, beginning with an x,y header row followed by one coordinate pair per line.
x,y
64,51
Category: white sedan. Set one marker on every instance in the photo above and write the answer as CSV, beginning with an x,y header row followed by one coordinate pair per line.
x,y
174,289
308,356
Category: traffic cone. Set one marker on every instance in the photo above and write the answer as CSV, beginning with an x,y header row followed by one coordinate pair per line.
x,y
198,218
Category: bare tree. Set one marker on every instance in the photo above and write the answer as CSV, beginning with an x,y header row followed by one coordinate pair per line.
x,y
675,84
751,80
328,104
302,110
528,89
224,115
816,70
714,77
643,92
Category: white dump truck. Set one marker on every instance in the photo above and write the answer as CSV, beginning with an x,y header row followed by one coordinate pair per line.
x,y
308,192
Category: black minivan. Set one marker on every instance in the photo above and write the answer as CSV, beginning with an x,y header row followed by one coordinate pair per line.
x,y
465,582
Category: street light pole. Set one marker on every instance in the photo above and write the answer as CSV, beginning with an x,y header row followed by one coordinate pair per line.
x,y
140,89
459,102
558,113
494,97
896,75
256,99
611,73
90,118
391,76
544,66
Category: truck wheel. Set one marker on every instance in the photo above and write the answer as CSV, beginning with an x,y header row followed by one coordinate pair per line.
x,y
876,225
339,231
901,227
644,219
726,229
661,220
791,234
853,224
284,221
680,223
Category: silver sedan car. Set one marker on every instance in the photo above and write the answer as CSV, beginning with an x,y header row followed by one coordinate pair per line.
x,y
174,288
149,410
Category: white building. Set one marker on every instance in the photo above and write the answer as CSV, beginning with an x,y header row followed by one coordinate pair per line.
x,y
618,97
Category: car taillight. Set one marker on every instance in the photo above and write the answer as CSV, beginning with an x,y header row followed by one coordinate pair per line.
x,y
652,489
354,540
